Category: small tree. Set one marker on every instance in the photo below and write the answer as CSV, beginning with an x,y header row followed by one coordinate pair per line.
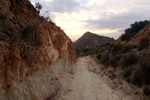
x,y
38,6
134,29
46,16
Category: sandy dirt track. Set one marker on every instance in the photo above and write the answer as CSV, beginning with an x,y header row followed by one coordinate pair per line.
x,y
84,84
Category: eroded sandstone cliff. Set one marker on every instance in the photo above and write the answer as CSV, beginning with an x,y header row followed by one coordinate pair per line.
x,y
33,53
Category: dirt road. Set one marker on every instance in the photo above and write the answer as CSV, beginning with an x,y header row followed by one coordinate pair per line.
x,y
84,84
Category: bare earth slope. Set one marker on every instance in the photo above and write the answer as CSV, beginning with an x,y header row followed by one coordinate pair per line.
x,y
33,53
83,84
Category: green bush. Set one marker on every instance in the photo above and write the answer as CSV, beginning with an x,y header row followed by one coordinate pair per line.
x,y
100,50
127,36
128,59
142,73
98,56
144,43
113,61
125,48
105,45
137,76
31,35
104,59
131,59
134,29
146,90
144,60
127,71
117,48
29,32
128,79
144,63
121,48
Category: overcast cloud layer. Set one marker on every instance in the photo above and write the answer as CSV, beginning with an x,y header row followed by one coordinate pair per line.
x,y
76,16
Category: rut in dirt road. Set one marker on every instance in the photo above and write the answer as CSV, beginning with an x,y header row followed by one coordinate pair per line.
x,y
86,85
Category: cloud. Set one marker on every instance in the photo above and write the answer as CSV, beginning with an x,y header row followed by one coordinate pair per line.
x,y
60,6
113,21
64,5
95,14
111,18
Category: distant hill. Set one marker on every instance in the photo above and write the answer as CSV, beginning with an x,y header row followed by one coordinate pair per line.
x,y
89,40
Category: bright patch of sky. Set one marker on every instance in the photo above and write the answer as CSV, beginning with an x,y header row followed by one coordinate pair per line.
x,y
104,17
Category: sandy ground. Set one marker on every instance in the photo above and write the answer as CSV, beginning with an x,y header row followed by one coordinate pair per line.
x,y
83,83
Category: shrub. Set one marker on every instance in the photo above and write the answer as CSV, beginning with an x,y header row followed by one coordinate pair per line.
x,y
19,1
99,50
144,43
8,26
146,90
128,79
116,48
31,35
86,49
134,29
47,17
121,48
131,59
98,56
28,31
104,58
137,76
38,6
127,71
137,26
144,63
144,60
113,61
105,44
125,48
141,75
126,36
128,59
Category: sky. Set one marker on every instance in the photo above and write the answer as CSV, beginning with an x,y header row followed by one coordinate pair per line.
x,y
103,17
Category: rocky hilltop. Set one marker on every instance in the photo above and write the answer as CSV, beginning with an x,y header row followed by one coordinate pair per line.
x,y
90,39
88,42
34,53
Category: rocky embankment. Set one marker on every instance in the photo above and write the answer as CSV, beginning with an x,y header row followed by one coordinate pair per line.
x,y
33,53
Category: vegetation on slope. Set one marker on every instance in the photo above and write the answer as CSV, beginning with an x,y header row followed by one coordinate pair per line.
x,y
133,59
86,44
134,29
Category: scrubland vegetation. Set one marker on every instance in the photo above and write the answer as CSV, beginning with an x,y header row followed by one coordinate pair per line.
x,y
134,60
